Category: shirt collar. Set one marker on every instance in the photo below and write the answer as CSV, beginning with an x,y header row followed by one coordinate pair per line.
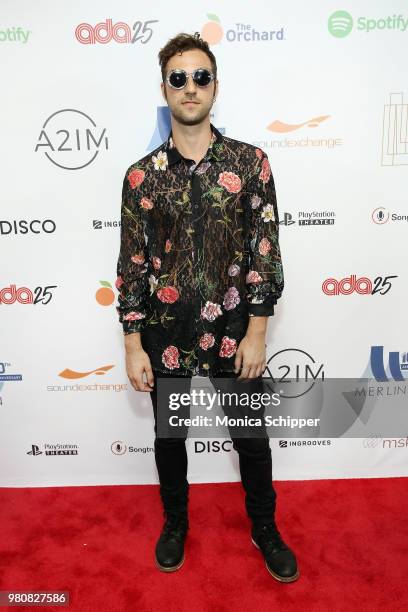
x,y
213,152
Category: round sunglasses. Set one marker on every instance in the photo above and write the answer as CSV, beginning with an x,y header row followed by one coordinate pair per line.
x,y
177,78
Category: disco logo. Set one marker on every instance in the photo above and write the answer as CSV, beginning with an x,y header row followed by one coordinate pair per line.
x,y
71,140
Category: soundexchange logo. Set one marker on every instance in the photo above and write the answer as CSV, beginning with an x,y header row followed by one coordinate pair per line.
x,y
340,23
120,32
281,128
213,32
71,140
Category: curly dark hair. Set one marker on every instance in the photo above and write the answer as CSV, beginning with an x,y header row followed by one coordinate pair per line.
x,y
185,42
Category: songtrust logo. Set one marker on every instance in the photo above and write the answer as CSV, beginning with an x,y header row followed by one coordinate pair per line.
x,y
213,32
72,374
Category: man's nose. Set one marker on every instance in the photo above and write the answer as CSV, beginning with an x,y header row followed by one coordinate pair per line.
x,y
191,87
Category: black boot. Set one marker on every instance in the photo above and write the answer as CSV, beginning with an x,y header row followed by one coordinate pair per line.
x,y
279,558
170,545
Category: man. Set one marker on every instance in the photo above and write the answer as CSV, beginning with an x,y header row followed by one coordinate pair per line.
x,y
199,273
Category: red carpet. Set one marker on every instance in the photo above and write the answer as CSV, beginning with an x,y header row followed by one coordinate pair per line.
x,y
350,538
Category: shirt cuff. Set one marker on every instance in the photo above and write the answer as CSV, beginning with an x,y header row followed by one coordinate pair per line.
x,y
261,310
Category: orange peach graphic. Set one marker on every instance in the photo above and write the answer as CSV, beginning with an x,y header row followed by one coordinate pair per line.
x,y
105,296
212,31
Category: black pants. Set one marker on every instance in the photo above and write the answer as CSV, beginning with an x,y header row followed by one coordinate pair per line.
x,y
255,463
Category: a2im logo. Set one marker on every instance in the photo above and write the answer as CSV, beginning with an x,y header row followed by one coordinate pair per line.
x,y
71,140
397,363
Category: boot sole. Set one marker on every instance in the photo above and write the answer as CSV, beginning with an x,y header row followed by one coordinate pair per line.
x,y
280,578
169,569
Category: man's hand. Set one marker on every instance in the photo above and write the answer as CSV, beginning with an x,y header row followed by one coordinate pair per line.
x,y
251,352
138,362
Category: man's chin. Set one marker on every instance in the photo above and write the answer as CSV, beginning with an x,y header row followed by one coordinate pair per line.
x,y
186,119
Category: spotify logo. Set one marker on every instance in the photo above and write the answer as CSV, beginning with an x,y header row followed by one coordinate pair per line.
x,y
340,24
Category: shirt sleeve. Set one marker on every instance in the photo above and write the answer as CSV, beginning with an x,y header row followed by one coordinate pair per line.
x,y
264,279
132,264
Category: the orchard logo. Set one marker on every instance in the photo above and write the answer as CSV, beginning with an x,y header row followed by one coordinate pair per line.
x,y
71,140
120,32
353,284
23,295
105,295
213,32
74,374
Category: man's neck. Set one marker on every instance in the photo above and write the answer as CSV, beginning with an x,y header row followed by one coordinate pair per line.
x,y
192,141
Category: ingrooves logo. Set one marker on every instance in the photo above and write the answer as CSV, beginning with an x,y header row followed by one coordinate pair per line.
x,y
362,285
106,31
71,140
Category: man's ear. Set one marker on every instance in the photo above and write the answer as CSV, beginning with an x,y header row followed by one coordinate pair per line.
x,y
163,90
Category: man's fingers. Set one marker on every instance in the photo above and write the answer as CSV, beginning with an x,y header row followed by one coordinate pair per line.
x,y
149,376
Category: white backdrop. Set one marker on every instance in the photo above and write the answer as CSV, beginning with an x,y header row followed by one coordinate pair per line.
x,y
324,93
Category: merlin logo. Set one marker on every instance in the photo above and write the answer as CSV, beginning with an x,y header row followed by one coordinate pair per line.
x,y
35,450
397,363
71,140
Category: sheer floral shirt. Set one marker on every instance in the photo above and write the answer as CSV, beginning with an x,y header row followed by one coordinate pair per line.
x,y
199,253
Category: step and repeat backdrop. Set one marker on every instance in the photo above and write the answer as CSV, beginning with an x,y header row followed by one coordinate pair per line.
x,y
322,88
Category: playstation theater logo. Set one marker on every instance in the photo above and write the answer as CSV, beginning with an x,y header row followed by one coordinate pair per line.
x,y
71,139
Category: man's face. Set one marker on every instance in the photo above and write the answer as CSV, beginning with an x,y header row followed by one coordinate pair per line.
x,y
192,104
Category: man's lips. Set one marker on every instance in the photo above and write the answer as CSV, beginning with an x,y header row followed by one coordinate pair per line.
x,y
190,102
